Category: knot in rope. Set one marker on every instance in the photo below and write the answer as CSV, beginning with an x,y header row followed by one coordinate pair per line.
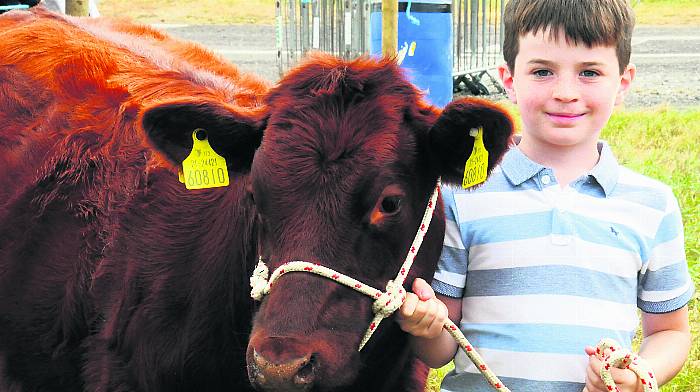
x,y
384,306
390,300
258,281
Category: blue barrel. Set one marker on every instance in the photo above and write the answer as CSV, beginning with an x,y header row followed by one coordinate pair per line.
x,y
425,45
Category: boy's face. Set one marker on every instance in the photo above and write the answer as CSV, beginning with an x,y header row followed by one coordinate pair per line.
x,y
565,92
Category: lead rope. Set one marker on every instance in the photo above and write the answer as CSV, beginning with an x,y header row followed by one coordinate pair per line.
x,y
387,302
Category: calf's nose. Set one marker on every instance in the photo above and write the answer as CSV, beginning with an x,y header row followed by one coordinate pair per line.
x,y
272,370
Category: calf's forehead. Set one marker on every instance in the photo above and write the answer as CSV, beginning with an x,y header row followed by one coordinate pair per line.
x,y
334,151
332,113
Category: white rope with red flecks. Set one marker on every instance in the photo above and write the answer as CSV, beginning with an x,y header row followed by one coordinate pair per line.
x,y
387,302
614,356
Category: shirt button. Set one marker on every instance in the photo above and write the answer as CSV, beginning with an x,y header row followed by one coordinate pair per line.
x,y
546,180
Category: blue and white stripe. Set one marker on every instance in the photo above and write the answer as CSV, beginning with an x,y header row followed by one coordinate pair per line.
x,y
544,271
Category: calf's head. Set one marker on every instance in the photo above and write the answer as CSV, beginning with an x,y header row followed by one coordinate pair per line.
x,y
349,158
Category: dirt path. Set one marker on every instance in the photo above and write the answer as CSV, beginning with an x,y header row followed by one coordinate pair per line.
x,y
667,58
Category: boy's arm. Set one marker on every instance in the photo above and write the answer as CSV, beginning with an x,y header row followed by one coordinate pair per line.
x,y
665,348
423,315
666,342
440,350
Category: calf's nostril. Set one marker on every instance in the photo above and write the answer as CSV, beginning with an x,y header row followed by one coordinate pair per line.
x,y
305,375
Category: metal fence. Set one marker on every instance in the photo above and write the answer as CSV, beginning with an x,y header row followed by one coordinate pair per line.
x,y
342,27
478,43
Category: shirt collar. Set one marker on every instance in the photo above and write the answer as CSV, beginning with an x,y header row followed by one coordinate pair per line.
x,y
607,170
518,168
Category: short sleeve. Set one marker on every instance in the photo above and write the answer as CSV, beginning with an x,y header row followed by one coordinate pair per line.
x,y
664,282
451,274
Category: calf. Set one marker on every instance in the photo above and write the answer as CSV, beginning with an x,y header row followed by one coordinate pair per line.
x,y
114,276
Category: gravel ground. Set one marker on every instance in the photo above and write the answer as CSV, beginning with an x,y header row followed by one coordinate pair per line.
x,y
667,59
667,62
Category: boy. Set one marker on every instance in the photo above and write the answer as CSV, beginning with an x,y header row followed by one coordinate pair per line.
x,y
561,245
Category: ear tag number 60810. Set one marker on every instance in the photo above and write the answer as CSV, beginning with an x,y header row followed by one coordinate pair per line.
x,y
476,168
203,168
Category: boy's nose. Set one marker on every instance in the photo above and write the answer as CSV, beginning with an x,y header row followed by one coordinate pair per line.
x,y
565,90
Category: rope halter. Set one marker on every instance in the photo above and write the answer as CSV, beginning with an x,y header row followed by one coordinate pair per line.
x,y
385,302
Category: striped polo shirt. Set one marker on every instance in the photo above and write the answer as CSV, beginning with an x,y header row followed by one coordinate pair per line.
x,y
543,271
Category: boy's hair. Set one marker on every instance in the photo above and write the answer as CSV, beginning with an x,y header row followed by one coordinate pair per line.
x,y
591,22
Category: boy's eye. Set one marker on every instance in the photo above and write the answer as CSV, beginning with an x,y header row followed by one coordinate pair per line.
x,y
589,74
542,73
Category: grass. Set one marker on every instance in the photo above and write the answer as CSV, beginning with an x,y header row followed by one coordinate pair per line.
x,y
667,12
662,143
649,12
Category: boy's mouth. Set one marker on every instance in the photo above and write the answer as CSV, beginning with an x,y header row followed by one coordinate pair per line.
x,y
564,118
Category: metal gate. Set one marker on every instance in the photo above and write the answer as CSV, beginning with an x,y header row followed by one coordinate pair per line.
x,y
341,27
478,43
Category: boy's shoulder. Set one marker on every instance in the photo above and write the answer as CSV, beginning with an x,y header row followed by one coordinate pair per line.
x,y
643,189
633,178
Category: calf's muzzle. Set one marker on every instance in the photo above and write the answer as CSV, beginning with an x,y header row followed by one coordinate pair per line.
x,y
281,365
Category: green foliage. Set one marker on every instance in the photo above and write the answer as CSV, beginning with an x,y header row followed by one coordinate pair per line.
x,y
664,144
436,376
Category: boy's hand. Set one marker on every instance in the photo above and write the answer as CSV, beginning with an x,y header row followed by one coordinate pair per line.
x,y
625,379
422,314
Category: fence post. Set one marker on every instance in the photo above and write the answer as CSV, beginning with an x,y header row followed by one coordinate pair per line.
x,y
390,27
77,7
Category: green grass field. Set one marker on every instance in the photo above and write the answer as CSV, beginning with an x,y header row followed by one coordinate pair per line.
x,y
662,143
649,12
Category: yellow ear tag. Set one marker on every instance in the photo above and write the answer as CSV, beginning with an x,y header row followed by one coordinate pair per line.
x,y
180,175
475,171
204,168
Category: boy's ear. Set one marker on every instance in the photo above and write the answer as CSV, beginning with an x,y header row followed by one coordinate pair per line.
x,y
625,83
506,77
450,142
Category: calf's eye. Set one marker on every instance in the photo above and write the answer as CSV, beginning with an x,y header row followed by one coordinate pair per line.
x,y
390,204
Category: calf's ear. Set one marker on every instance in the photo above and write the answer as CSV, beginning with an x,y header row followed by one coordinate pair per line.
x,y
450,141
233,132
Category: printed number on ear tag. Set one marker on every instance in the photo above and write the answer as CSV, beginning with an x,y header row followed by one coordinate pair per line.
x,y
476,168
203,168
